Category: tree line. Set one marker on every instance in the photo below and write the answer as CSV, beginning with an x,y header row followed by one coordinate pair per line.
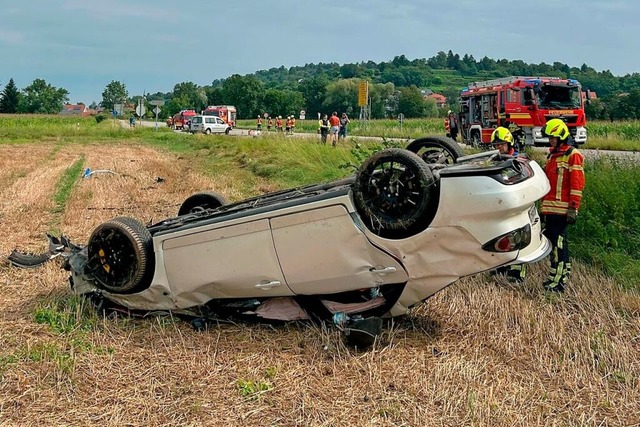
x,y
395,87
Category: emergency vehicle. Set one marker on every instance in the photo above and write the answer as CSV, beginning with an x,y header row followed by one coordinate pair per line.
x,y
181,120
225,112
522,104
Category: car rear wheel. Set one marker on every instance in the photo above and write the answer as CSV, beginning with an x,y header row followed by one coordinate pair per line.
x,y
201,201
436,149
208,131
392,193
120,256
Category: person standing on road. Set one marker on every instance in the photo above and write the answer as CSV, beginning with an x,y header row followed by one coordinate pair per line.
x,y
565,171
344,121
132,121
451,125
287,125
334,121
323,126
502,140
259,123
269,123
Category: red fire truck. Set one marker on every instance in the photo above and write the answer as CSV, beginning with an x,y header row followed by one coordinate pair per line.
x,y
522,104
225,112
181,120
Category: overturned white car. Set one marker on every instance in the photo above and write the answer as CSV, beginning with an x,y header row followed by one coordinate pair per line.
x,y
406,225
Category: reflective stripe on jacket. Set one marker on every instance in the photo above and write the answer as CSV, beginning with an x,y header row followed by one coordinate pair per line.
x,y
565,171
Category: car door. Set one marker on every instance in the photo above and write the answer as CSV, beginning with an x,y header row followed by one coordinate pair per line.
x,y
225,262
220,125
321,251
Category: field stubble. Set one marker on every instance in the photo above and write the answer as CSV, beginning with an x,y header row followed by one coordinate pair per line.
x,y
481,352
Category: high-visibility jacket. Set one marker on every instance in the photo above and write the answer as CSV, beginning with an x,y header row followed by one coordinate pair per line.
x,y
565,171
450,120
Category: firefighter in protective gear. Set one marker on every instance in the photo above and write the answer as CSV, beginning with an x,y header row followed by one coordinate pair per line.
x,y
451,125
502,139
560,206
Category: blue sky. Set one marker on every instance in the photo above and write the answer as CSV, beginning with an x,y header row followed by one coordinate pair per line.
x,y
82,45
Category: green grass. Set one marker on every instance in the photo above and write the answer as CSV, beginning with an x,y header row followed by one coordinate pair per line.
x,y
64,187
66,315
411,128
607,231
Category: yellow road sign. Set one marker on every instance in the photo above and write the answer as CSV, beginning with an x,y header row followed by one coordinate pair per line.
x,y
363,93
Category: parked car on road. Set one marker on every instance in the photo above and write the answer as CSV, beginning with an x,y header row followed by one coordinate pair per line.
x,y
209,125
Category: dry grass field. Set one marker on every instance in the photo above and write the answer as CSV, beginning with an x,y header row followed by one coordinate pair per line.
x,y
480,353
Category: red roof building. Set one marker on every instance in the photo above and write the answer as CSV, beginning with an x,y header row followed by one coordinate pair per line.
x,y
441,100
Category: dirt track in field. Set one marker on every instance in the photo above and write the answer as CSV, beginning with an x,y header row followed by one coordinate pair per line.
x,y
479,353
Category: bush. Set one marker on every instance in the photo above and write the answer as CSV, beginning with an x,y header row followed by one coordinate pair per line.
x,y
606,233
100,117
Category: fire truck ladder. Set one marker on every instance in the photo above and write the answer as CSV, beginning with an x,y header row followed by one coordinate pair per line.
x,y
505,80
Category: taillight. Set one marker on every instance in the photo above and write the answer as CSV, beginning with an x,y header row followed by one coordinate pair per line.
x,y
518,171
512,241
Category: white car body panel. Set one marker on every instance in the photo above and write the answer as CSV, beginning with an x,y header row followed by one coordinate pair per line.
x,y
319,246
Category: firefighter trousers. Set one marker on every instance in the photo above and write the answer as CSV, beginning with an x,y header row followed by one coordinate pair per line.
x,y
560,266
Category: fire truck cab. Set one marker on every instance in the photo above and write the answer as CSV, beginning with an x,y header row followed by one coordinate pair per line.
x,y
180,121
226,112
522,104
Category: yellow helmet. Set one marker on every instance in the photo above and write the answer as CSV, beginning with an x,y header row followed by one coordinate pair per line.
x,y
557,128
501,135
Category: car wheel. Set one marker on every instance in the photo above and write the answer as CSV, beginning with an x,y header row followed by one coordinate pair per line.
x,y
201,201
208,131
436,149
227,130
392,193
120,256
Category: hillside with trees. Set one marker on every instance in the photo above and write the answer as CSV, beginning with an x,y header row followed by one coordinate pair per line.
x,y
396,86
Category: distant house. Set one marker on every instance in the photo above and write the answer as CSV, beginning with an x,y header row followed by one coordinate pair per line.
x,y
441,100
78,110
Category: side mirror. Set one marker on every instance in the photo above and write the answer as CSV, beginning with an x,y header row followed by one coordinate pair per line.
x,y
588,97
529,96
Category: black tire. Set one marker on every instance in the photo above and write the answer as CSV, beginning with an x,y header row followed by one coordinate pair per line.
x,y
436,149
208,131
392,193
227,130
201,201
120,256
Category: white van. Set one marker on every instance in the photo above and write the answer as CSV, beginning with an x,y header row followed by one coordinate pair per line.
x,y
208,125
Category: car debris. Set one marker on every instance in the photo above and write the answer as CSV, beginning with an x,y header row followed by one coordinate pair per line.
x,y
88,173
